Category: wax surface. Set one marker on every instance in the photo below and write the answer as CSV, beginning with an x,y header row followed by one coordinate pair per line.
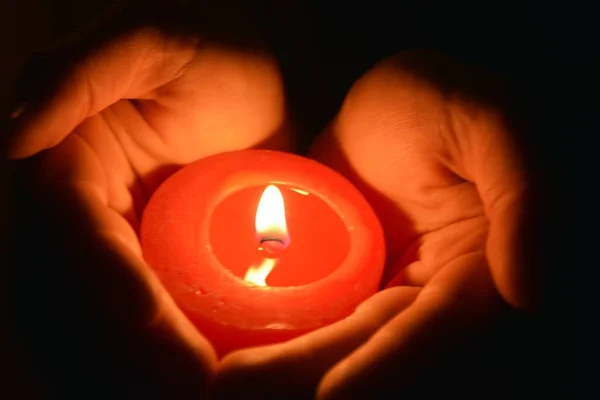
x,y
194,240
319,240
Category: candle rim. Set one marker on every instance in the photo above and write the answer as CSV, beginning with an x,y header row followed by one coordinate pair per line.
x,y
239,173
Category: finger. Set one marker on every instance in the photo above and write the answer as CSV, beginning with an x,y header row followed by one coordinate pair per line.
x,y
131,66
453,306
495,162
293,369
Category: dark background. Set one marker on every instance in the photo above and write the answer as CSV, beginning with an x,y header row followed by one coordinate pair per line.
x,y
546,50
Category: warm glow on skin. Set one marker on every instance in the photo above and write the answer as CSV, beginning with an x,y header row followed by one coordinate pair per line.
x,y
431,156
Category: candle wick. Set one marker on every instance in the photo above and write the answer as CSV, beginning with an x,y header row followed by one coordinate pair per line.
x,y
273,245
271,239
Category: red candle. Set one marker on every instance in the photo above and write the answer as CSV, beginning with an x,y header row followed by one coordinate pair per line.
x,y
258,247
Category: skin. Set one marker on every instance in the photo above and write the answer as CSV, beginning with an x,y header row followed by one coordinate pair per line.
x,y
442,170
439,165
122,120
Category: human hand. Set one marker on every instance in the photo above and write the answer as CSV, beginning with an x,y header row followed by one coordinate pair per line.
x,y
120,121
429,145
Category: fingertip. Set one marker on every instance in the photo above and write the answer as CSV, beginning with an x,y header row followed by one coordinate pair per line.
x,y
33,133
229,367
22,132
233,378
330,386
514,259
241,359
17,150
345,382
20,141
524,297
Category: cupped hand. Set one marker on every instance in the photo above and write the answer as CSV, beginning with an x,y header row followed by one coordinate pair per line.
x,y
120,121
431,144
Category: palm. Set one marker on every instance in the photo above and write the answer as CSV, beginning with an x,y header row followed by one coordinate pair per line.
x,y
400,147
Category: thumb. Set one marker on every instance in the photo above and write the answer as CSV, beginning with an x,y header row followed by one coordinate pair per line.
x,y
130,66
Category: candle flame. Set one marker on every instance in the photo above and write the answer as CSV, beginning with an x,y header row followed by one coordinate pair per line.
x,y
258,275
270,215
271,231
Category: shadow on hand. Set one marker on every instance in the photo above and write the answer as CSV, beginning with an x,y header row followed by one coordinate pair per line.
x,y
95,309
482,364
85,317
536,243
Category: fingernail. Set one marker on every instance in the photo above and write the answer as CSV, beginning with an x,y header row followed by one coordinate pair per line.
x,y
10,146
18,111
